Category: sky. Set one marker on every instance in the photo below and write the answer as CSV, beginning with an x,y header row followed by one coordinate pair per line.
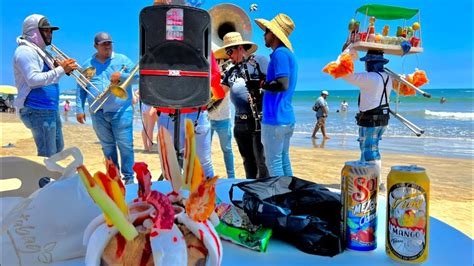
x,y
321,29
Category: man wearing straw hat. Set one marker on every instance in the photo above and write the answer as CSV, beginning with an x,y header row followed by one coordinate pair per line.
x,y
278,116
246,75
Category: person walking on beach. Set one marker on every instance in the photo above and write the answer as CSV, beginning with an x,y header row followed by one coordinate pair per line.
x,y
344,106
113,122
321,108
67,108
150,117
372,119
36,76
244,76
278,121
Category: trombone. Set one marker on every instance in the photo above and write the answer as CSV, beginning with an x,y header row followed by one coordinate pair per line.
x,y
83,77
119,90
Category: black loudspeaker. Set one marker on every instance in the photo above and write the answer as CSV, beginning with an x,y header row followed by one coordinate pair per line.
x,y
175,56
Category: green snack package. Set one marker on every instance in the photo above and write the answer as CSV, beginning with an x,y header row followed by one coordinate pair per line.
x,y
256,241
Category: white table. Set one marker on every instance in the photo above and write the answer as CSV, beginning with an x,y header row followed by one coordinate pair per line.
x,y
447,246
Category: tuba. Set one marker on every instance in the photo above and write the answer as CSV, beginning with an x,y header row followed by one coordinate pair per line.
x,y
119,90
227,18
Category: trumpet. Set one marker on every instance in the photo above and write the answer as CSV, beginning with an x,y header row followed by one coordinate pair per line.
x,y
83,77
119,90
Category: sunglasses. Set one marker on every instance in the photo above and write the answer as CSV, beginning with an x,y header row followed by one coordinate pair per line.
x,y
105,43
229,51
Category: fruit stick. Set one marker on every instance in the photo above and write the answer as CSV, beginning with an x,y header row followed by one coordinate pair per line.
x,y
99,182
201,202
189,154
107,205
113,172
169,162
113,190
144,179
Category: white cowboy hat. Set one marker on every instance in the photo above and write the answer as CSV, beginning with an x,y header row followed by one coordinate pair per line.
x,y
281,25
234,39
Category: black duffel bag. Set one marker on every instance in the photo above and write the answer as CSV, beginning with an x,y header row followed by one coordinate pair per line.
x,y
300,212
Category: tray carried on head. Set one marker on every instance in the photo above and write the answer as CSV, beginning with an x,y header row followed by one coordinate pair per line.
x,y
392,49
369,40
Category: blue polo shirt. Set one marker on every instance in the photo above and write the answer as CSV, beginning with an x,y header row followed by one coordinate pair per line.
x,y
102,81
277,107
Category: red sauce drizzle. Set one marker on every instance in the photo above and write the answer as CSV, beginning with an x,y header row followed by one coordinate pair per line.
x,y
201,233
146,251
121,242
215,239
154,233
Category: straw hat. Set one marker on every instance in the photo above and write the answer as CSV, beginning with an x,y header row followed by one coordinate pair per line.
x,y
234,39
281,25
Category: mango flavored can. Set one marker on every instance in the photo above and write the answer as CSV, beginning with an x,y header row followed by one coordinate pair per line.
x,y
359,188
407,225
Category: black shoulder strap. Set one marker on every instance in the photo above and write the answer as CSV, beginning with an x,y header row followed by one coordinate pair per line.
x,y
197,117
384,93
261,76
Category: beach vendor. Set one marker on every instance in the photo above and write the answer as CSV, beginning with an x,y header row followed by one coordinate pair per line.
x,y
375,87
238,79
37,75
113,122
278,116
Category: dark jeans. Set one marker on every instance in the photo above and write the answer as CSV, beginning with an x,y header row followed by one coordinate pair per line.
x,y
115,131
250,147
46,128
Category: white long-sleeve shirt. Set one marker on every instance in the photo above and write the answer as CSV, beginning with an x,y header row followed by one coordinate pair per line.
x,y
28,72
371,88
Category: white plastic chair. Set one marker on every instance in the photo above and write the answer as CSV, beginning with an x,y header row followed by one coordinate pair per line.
x,y
28,172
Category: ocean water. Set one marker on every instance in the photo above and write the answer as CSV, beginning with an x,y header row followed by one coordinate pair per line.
x,y
448,127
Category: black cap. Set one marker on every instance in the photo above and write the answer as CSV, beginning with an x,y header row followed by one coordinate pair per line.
x,y
102,37
44,24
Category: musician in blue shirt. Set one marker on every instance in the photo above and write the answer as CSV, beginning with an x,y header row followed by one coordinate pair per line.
x,y
36,76
113,122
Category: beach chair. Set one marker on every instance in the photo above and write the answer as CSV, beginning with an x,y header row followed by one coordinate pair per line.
x,y
27,171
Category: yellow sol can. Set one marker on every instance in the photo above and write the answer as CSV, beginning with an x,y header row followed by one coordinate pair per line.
x,y
407,225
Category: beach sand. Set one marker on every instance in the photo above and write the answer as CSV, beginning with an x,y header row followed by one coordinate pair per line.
x,y
451,179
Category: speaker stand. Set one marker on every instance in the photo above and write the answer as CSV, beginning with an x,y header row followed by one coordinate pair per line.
x,y
177,129
176,136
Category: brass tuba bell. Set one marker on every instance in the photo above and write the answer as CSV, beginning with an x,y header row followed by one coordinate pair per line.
x,y
228,18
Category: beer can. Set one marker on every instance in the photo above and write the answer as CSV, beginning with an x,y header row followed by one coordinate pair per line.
x,y
407,224
359,189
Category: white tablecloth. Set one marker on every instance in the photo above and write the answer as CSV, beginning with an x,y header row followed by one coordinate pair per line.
x,y
447,246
